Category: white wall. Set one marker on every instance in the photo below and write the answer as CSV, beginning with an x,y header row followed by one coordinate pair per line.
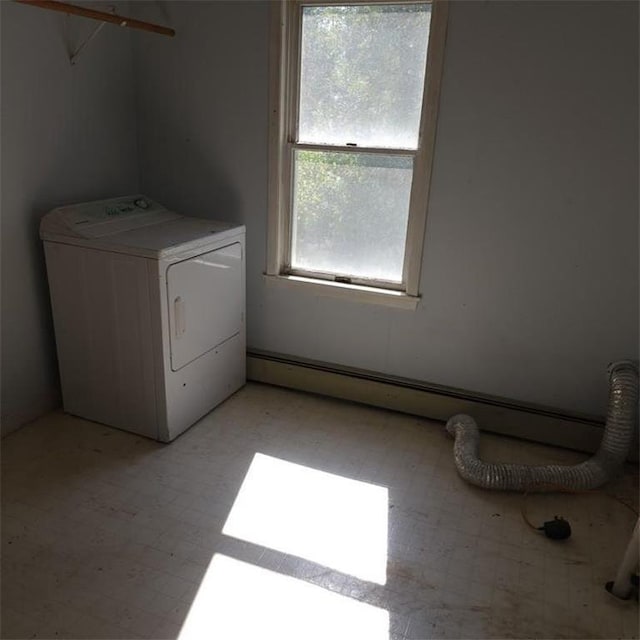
x,y
68,134
530,276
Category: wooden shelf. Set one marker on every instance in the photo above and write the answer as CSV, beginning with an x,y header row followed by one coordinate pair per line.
x,y
103,16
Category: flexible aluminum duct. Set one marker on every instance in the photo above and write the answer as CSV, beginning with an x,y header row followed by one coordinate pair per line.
x,y
613,450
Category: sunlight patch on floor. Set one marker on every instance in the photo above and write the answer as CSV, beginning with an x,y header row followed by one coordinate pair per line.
x,y
337,522
240,600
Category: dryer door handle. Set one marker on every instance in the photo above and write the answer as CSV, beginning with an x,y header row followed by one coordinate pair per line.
x,y
180,316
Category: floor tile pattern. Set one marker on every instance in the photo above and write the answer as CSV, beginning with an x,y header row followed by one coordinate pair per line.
x,y
109,535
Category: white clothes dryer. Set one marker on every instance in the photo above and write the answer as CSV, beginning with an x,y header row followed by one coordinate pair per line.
x,y
149,313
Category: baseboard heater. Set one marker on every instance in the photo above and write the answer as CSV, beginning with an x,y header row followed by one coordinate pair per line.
x,y
493,414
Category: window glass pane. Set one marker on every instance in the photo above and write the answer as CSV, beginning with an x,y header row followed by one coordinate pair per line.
x,y
350,213
362,74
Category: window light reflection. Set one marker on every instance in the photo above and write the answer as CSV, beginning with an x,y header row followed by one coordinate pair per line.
x,y
335,521
237,600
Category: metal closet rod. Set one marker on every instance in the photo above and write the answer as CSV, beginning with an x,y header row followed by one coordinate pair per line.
x,y
64,7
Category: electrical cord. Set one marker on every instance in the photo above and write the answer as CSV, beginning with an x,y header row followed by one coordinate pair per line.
x,y
523,512
559,528
556,529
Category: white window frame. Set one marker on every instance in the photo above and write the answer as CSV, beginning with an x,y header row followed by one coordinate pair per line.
x,y
286,23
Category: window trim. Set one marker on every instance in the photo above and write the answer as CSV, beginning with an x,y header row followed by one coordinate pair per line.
x,y
284,71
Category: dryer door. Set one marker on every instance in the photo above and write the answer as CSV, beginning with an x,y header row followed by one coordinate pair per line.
x,y
205,297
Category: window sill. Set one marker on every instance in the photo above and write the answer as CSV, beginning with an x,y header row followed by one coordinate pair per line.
x,y
353,292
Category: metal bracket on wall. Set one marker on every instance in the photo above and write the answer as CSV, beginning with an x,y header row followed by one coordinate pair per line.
x,y
74,54
102,16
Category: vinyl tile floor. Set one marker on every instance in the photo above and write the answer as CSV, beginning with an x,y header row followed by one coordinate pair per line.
x,y
287,515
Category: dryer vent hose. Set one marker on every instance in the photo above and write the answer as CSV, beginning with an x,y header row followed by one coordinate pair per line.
x,y
592,473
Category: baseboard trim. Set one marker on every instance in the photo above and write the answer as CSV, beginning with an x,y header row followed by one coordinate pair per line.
x,y
497,415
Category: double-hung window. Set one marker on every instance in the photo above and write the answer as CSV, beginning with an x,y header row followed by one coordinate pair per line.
x,y
353,110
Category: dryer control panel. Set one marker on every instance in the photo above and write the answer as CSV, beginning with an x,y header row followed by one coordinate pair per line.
x,y
104,217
